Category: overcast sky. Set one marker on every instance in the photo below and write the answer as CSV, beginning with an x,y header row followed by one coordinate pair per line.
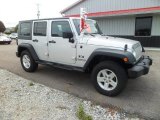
x,y
12,11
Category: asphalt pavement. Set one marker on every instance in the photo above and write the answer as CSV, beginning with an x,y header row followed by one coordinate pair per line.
x,y
141,96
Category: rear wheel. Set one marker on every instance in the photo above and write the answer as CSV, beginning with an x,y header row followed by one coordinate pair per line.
x,y
109,78
27,62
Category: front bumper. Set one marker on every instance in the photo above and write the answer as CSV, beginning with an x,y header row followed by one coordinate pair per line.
x,y
3,42
140,68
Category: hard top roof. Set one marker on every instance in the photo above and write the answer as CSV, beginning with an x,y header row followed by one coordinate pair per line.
x,y
44,19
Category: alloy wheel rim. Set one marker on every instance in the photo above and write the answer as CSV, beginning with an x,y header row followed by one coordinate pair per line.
x,y
107,79
26,61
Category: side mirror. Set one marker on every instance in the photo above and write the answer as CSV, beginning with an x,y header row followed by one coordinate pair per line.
x,y
67,35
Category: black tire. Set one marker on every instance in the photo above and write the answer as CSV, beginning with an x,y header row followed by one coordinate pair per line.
x,y
33,65
17,41
121,77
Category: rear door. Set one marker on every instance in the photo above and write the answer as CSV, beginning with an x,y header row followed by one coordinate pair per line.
x,y
39,39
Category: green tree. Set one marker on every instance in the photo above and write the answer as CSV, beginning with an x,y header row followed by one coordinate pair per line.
x,y
16,29
2,27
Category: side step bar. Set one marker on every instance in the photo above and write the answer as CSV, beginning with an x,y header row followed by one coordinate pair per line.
x,y
61,66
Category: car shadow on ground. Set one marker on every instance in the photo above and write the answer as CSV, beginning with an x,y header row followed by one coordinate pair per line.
x,y
135,88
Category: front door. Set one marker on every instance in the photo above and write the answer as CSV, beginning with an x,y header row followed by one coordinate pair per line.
x,y
39,39
60,49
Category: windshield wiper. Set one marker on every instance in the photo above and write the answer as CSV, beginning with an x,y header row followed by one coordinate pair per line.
x,y
89,34
92,34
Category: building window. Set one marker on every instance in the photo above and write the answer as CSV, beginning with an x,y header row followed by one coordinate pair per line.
x,y
143,26
58,27
25,29
40,28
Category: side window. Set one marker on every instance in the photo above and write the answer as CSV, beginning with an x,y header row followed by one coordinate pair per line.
x,y
25,29
58,27
40,29
143,26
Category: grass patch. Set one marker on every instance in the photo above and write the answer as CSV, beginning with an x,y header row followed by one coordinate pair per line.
x,y
31,84
82,115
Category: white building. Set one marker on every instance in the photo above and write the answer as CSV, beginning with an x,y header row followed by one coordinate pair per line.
x,y
134,19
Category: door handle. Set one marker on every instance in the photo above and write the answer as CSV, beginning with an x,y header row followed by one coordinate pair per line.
x,y
52,41
35,40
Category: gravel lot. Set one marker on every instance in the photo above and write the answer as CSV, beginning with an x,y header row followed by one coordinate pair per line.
x,y
20,99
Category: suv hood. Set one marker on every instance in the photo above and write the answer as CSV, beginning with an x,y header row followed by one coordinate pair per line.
x,y
111,42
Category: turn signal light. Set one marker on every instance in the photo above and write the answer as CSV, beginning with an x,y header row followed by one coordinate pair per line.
x,y
125,59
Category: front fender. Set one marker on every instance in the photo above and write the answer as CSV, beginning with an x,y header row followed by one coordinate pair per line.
x,y
111,53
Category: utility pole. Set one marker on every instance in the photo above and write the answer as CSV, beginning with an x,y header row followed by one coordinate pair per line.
x,y
38,11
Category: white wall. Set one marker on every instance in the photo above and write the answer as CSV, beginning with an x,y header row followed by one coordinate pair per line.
x,y
125,25
117,25
156,25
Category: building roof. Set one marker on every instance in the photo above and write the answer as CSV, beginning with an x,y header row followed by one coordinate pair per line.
x,y
100,9
44,19
121,12
71,6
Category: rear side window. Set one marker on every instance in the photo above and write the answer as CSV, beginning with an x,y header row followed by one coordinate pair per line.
x,y
58,27
40,29
25,29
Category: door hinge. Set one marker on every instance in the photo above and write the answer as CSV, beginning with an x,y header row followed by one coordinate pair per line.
x,y
46,54
73,58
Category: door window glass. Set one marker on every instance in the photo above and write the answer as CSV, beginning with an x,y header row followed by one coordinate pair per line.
x,y
58,27
40,28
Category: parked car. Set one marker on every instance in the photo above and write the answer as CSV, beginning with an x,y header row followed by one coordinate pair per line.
x,y
60,43
13,35
5,39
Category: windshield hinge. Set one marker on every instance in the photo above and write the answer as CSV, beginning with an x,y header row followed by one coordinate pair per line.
x,y
125,47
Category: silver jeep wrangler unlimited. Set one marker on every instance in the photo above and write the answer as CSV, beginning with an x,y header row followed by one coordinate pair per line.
x,y
57,42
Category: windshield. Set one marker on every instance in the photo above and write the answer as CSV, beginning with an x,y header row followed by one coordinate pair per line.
x,y
14,34
92,27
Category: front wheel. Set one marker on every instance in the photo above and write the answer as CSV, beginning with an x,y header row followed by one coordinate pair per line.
x,y
109,78
27,62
